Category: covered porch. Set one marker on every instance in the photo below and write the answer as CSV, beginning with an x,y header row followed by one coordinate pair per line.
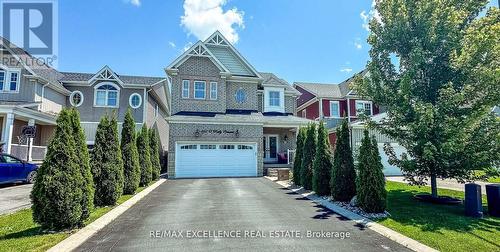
x,y
12,120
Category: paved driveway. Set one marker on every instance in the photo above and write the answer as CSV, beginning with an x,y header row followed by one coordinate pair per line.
x,y
241,204
14,197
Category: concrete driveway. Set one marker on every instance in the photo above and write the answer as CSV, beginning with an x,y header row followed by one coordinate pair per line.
x,y
14,197
257,208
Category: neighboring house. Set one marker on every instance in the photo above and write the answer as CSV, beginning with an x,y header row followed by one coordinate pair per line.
x,y
227,119
35,93
332,103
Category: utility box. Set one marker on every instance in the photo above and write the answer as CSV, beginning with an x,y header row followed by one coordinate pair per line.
x,y
473,202
493,196
283,174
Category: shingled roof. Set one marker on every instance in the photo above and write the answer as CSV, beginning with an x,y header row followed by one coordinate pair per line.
x,y
127,79
329,90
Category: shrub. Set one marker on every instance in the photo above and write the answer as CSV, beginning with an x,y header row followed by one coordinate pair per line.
x,y
308,157
155,154
372,196
297,162
322,164
83,161
130,155
57,202
343,178
106,163
144,156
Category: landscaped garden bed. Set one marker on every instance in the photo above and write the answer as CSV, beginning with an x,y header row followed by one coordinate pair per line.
x,y
18,232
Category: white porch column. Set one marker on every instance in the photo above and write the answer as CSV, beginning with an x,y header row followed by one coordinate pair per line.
x,y
7,137
31,122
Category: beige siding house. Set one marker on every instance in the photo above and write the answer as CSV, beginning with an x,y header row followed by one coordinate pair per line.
x,y
35,94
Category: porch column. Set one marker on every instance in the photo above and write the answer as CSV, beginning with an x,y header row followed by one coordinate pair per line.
x,y
7,137
31,122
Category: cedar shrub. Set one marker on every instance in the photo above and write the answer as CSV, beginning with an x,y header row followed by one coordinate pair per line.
x,y
155,154
306,169
144,156
322,164
343,177
297,163
130,155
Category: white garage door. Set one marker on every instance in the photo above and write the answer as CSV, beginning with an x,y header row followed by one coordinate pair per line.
x,y
196,160
390,170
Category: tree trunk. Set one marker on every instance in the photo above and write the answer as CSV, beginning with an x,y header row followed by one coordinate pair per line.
x,y
434,189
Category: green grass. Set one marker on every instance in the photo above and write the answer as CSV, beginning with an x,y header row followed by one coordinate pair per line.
x,y
443,227
18,232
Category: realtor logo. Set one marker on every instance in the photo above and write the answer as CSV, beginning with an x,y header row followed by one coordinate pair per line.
x,y
31,25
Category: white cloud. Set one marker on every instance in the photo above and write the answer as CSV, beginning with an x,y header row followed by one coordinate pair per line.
x,y
357,44
172,44
346,70
135,2
367,16
203,17
187,46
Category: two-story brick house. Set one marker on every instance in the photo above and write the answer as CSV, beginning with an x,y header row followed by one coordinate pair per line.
x,y
227,119
332,103
33,93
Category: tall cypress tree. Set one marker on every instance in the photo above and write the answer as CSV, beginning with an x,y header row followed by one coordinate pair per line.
x,y
144,156
322,164
297,163
57,202
107,164
343,179
155,154
371,193
130,155
83,161
306,168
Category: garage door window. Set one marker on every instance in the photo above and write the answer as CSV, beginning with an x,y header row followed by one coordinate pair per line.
x,y
207,147
189,147
245,147
226,147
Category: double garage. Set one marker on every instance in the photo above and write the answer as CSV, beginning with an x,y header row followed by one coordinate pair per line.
x,y
221,159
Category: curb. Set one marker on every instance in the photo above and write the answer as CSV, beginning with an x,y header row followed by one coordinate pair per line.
x,y
78,238
387,232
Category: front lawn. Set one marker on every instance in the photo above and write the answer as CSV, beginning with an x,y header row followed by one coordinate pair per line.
x,y
439,226
18,232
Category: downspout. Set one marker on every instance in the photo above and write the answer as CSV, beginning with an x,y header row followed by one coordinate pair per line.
x,y
320,109
348,110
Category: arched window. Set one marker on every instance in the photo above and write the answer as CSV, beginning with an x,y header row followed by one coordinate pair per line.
x,y
106,95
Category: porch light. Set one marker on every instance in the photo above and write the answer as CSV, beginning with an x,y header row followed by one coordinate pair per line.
x,y
285,138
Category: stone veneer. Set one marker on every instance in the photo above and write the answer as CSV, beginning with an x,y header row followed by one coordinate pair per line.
x,y
186,132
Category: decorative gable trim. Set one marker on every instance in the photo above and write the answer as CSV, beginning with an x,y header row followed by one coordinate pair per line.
x,y
199,50
217,36
106,74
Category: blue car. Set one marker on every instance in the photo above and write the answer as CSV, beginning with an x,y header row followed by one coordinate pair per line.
x,y
14,170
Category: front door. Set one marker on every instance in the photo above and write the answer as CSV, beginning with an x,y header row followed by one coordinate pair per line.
x,y
270,148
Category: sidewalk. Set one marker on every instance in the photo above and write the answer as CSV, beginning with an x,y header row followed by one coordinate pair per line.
x,y
445,184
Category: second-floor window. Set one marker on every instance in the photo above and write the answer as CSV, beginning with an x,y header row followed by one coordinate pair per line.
x,y
334,109
106,95
213,90
274,98
364,107
199,90
9,81
185,89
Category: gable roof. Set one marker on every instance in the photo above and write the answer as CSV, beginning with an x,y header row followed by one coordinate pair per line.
x,y
271,79
330,90
222,53
126,79
39,69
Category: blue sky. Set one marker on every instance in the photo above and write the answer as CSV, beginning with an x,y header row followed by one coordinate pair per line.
x,y
316,41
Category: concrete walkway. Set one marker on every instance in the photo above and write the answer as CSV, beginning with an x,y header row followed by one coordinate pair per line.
x,y
445,184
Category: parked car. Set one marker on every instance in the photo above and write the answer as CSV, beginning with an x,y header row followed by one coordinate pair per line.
x,y
13,169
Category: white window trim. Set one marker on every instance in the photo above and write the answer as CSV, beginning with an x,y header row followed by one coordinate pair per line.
x,y
107,92
363,102
338,106
188,88
267,105
204,90
130,101
7,78
71,98
214,83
